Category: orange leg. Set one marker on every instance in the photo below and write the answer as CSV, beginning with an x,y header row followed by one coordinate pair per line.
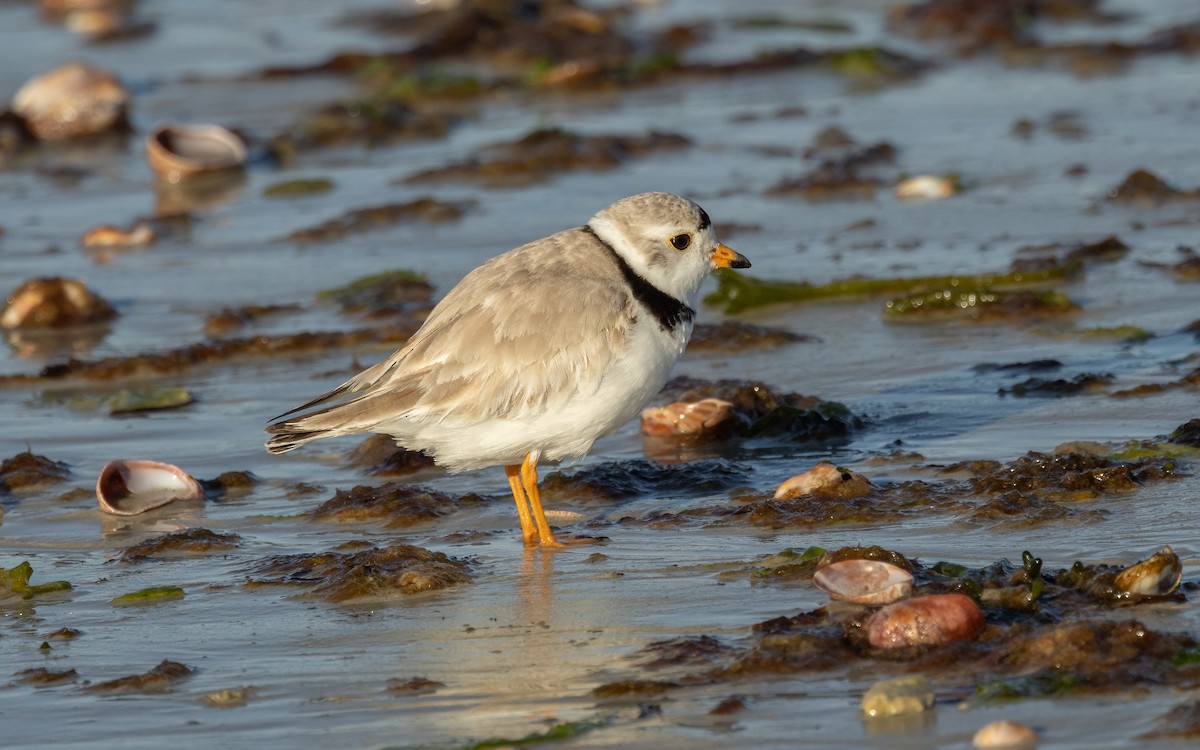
x,y
528,531
529,478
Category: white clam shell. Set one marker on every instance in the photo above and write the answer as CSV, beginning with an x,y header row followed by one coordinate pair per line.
x,y
1004,734
864,581
176,152
1157,575
127,488
71,101
925,187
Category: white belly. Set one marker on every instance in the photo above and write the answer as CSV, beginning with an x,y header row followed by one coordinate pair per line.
x,y
627,386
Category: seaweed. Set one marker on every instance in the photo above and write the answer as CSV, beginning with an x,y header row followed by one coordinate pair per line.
x,y
738,292
153,595
14,582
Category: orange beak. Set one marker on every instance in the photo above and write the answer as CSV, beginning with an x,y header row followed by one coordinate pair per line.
x,y
725,257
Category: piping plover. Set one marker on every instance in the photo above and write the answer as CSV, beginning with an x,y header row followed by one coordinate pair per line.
x,y
538,352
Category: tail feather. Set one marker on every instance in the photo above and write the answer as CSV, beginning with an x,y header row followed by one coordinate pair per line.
x,y
357,415
324,397
287,441
363,381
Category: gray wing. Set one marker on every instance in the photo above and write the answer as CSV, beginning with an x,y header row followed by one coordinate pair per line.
x,y
522,334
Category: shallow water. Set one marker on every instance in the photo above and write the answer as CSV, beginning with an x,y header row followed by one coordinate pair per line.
x,y
521,647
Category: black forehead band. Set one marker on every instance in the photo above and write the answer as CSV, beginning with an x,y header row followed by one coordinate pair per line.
x,y
705,222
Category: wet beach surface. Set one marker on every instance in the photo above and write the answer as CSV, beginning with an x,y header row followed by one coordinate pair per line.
x,y
1047,413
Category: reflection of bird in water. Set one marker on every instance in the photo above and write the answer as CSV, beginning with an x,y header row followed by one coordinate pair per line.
x,y
538,352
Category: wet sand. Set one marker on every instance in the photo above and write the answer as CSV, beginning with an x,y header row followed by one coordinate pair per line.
x,y
521,648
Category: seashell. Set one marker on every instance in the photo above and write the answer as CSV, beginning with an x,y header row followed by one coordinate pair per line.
x,y
177,152
925,621
1005,734
824,479
127,488
926,187
570,72
72,101
106,235
53,303
864,581
1157,575
685,418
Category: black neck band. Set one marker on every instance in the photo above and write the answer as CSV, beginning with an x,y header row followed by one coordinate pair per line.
x,y
668,311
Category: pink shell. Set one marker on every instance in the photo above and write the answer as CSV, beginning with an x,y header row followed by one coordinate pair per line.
x,y
864,581
127,488
685,418
176,152
925,621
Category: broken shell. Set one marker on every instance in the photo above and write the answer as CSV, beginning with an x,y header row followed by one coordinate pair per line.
x,y
685,418
72,101
53,303
925,621
1005,734
824,479
864,581
926,187
106,235
127,488
1157,575
176,152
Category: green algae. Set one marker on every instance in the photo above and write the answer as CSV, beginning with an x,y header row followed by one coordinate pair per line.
x,y
567,730
738,292
1124,334
1055,685
862,62
124,401
1142,449
1183,442
392,81
15,581
367,283
298,188
149,399
392,292
789,563
1187,657
412,88
977,302
151,595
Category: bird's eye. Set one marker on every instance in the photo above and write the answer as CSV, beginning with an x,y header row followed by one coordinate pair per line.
x,y
681,241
